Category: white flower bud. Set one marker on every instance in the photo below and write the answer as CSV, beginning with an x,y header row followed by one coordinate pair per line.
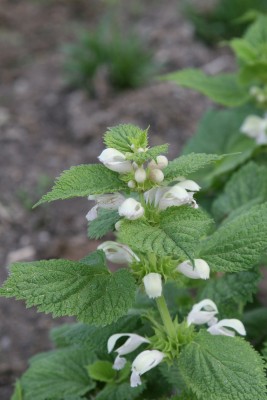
x,y
117,225
220,328
118,253
115,161
140,175
201,270
145,361
161,162
153,285
141,150
131,184
156,175
131,209
202,312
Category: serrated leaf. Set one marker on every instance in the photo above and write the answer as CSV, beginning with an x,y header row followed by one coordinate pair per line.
x,y
64,287
223,368
150,154
177,234
102,371
120,392
58,374
187,164
104,223
256,34
239,244
223,89
122,137
82,180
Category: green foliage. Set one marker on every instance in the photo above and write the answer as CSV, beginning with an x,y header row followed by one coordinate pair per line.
x,y
223,368
239,244
123,136
82,180
18,393
104,223
62,287
224,89
255,323
58,374
164,238
102,371
122,391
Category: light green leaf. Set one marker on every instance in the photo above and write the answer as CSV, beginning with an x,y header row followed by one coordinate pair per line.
x,y
223,89
58,374
177,234
150,154
244,50
104,223
254,73
120,392
122,137
256,34
17,395
102,371
62,287
82,180
223,368
239,244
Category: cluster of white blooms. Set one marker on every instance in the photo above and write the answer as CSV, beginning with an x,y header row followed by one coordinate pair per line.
x,y
258,94
205,311
256,128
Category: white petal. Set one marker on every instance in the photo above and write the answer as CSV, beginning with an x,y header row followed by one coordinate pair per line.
x,y
111,154
131,209
119,363
147,360
156,175
175,196
131,344
115,160
189,185
110,201
135,379
220,328
153,285
252,126
118,253
201,270
154,195
202,312
92,214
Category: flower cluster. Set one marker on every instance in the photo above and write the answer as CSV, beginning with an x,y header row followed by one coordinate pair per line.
x,y
259,94
255,128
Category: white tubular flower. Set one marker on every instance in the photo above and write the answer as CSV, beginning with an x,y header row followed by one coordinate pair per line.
x,y
154,195
187,184
108,201
145,361
131,344
131,209
153,285
118,253
156,175
201,270
221,327
161,162
202,312
115,160
140,175
175,196
256,128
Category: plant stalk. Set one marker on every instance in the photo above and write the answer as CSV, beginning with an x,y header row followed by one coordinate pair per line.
x,y
165,316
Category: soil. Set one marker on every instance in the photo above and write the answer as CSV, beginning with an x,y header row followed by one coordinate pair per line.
x,y
45,127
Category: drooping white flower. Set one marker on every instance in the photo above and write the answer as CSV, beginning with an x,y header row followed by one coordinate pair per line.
x,y
131,209
153,285
131,344
202,312
154,195
156,175
145,361
118,253
189,185
110,201
175,196
256,128
115,161
160,163
200,271
221,327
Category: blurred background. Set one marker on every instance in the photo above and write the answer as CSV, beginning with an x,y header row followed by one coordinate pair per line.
x,y
68,70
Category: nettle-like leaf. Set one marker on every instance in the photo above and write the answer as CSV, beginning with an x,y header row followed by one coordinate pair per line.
x,y
122,391
223,368
188,164
104,223
177,233
122,137
246,188
239,244
63,287
224,89
230,290
58,374
151,153
256,34
82,180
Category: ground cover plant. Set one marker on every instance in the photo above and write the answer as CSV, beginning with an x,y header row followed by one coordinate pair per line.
x,y
175,322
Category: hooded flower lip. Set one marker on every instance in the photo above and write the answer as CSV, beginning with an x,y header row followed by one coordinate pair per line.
x,y
153,285
202,312
221,327
201,270
256,128
131,344
145,361
110,201
131,209
115,161
118,253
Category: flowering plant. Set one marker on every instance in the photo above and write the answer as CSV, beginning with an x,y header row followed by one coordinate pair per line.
x,y
167,324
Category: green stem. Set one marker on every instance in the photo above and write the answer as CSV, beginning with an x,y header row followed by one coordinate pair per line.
x,y
165,316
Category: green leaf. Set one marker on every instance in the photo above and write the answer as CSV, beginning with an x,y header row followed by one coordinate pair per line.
x,y
256,35
246,188
18,393
244,50
223,368
239,244
102,371
255,323
82,180
187,164
104,223
165,238
122,137
150,154
120,392
254,73
63,287
58,374
223,89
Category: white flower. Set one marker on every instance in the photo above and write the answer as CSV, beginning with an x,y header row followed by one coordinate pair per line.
x,y
156,175
154,195
108,201
131,344
140,175
201,270
175,196
144,362
131,209
221,327
118,253
153,285
161,162
115,160
256,128
202,312
131,184
189,185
